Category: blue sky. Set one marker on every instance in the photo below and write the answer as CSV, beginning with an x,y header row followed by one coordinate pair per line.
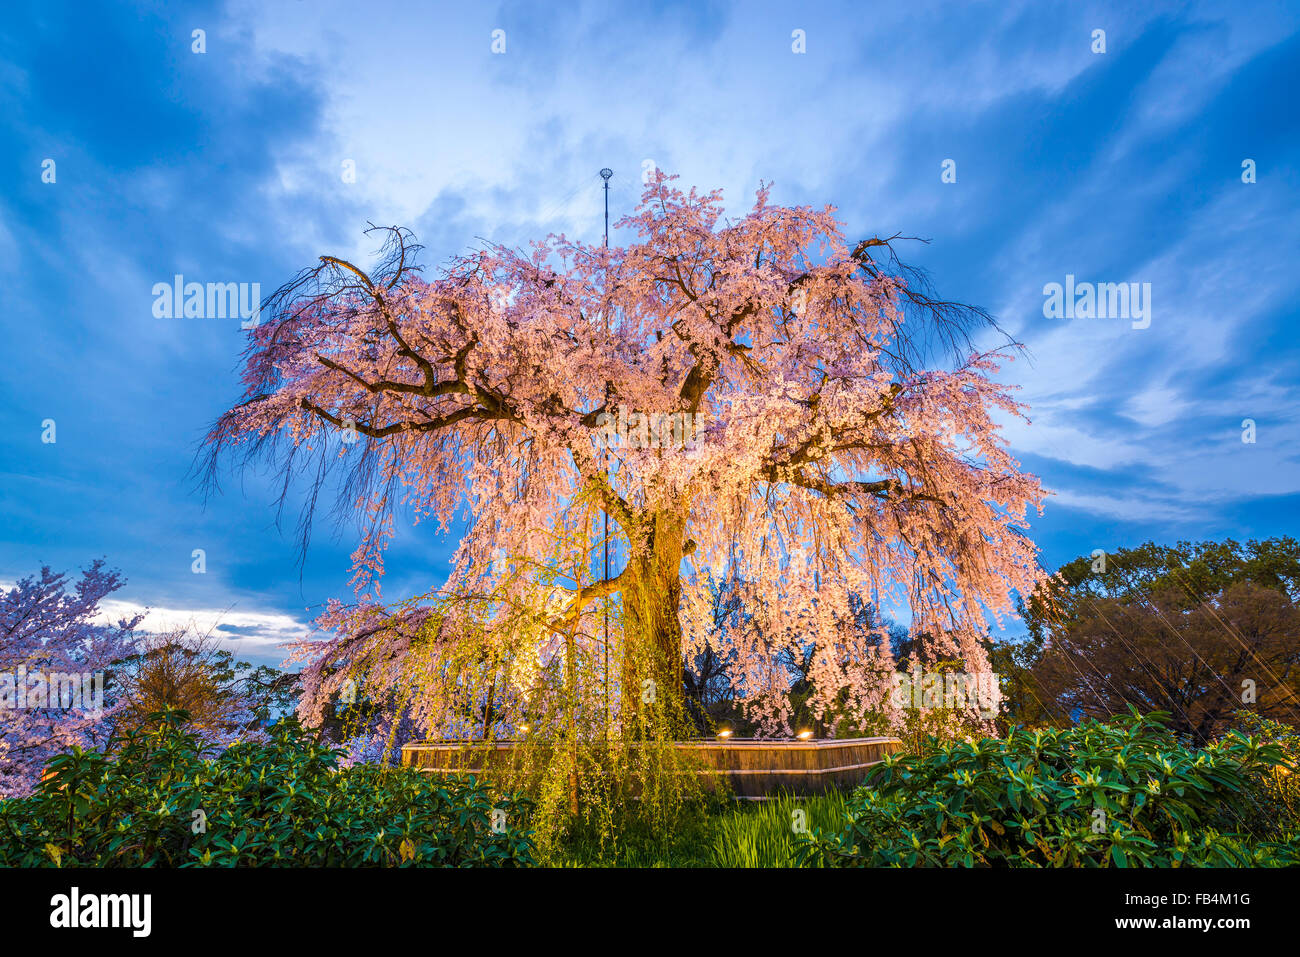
x,y
227,166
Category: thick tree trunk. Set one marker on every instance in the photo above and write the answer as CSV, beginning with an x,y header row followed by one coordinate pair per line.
x,y
487,708
652,662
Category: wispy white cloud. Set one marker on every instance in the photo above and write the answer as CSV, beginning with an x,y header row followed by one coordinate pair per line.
x,y
258,636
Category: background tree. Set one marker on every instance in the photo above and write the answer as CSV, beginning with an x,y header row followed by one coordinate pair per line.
x,y
1198,630
49,626
186,670
1025,703
834,458
1189,572
707,674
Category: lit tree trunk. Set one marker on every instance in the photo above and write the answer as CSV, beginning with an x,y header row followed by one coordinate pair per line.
x,y
487,708
650,604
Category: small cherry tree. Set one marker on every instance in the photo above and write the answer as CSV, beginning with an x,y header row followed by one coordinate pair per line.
x,y
752,400
56,659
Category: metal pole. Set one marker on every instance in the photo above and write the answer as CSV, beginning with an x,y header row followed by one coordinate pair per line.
x,y
605,174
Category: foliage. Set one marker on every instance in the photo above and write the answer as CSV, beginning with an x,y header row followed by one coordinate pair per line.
x,y
598,790
1024,701
1274,805
184,670
1124,794
925,727
51,646
159,801
622,837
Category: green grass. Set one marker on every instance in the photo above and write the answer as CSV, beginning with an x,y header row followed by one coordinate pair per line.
x,y
763,834
739,834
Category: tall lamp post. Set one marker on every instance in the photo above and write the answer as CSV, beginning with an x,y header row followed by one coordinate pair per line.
x,y
605,174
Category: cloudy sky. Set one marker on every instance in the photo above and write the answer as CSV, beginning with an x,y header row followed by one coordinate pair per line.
x,y
302,121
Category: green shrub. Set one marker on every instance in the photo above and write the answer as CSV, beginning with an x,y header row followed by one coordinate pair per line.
x,y
157,801
1127,794
1274,805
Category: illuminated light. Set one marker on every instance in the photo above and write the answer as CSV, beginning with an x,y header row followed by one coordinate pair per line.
x,y
725,733
804,735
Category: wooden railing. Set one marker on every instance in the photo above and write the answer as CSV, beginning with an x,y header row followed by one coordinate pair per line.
x,y
754,768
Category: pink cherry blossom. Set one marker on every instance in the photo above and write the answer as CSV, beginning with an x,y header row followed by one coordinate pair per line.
x,y
837,462
49,627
